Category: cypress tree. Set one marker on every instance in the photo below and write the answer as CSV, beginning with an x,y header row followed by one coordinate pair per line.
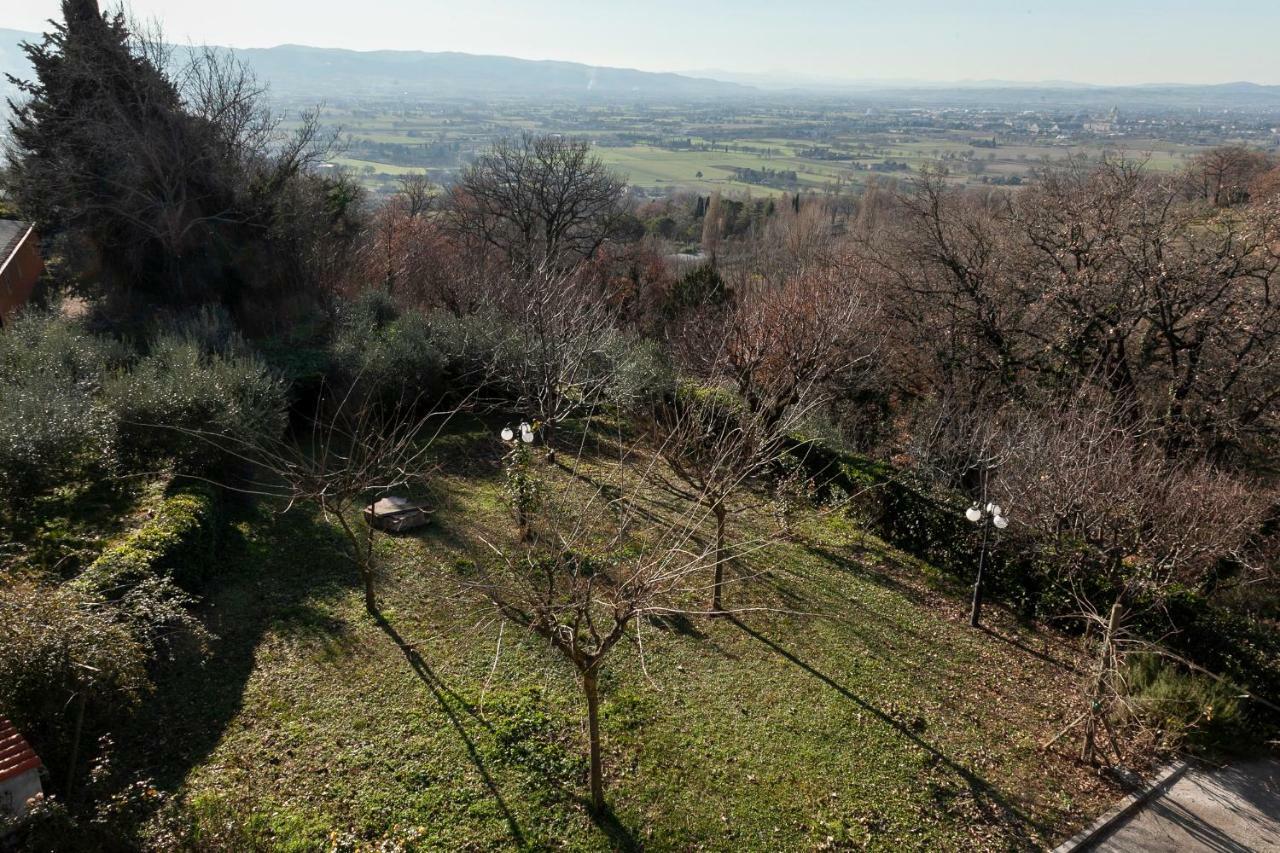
x,y
105,158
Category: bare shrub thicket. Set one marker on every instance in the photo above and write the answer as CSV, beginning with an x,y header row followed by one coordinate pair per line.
x,y
1096,276
1131,527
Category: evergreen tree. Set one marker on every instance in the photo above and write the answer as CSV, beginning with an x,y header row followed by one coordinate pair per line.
x,y
130,185
86,76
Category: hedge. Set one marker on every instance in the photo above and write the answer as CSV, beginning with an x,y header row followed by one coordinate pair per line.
x,y
178,542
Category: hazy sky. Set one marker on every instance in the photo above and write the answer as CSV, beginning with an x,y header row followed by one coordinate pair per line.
x,y
1095,41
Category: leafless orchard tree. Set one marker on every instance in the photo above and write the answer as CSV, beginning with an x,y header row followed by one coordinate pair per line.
x,y
713,447
541,201
557,361
595,567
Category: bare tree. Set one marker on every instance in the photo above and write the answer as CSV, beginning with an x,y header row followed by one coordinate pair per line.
x,y
1223,176
1096,275
538,200
587,577
558,358
713,446
416,193
354,453
784,344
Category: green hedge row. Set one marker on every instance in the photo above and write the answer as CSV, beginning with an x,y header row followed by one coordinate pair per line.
x,y
178,541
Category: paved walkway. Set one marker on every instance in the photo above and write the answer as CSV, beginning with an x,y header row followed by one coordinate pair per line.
x,y
1233,810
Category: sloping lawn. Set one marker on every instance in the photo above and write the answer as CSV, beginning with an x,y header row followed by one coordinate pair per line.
x,y
855,709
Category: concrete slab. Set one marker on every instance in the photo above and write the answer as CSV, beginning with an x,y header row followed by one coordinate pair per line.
x,y
1232,810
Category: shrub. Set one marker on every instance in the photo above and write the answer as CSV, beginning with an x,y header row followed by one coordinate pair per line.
x,y
178,541
469,346
53,429
702,285
179,396
640,372
56,641
386,355
1183,707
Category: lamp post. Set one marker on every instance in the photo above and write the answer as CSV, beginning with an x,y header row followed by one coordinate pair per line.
x,y
988,516
522,489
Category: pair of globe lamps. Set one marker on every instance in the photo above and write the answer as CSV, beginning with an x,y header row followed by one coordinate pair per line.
x,y
526,433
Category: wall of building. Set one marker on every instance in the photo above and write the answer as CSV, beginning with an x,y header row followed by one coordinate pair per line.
x,y
19,276
16,791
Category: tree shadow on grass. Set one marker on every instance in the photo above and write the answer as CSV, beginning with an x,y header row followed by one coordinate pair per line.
x,y
607,822
675,623
263,585
862,570
619,836
993,804
446,698
1035,653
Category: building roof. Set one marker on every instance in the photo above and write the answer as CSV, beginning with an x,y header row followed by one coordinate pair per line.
x,y
11,233
16,755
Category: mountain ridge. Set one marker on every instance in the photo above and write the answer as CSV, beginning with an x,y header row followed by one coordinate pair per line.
x,y
330,73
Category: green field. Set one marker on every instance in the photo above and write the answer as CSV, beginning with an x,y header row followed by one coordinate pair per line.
x,y
697,147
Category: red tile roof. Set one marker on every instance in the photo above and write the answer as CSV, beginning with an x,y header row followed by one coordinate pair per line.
x,y
16,755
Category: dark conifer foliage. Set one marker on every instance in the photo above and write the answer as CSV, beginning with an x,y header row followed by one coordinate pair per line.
x,y
161,182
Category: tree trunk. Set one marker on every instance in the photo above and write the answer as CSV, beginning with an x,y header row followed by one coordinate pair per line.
x,y
721,556
370,602
591,688
75,744
1089,750
546,441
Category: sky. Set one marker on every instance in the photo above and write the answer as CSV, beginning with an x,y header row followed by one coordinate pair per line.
x,y
1088,41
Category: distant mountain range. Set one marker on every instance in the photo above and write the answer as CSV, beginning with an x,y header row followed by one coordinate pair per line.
x,y
330,74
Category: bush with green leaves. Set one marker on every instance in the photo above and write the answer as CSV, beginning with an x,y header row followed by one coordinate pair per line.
x,y
177,541
175,402
1183,707
640,372
54,428
386,355
470,347
57,643
702,285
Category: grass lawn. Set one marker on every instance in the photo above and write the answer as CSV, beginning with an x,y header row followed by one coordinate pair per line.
x,y
866,715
